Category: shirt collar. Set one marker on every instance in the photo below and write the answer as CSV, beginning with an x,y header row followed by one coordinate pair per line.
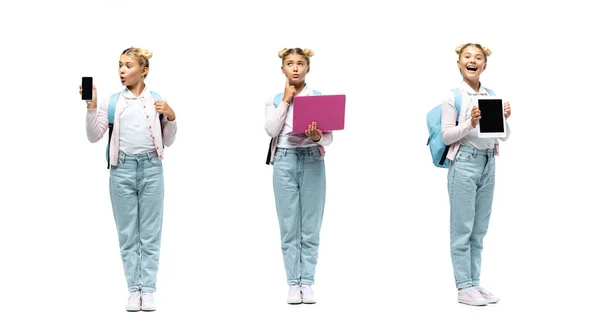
x,y
305,91
129,95
465,87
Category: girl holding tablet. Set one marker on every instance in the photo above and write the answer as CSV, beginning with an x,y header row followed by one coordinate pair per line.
x,y
298,177
470,176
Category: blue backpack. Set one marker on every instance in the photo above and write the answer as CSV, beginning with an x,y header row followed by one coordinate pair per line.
x,y
112,106
439,149
276,102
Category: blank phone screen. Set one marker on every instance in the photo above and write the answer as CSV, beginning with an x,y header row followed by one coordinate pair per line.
x,y
492,120
86,88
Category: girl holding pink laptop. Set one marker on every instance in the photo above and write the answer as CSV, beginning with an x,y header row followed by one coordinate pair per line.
x,y
298,177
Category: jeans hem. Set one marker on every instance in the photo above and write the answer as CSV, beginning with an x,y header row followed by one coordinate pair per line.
x,y
464,284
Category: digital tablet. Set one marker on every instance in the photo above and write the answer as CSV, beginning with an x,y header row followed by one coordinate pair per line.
x,y
492,122
328,111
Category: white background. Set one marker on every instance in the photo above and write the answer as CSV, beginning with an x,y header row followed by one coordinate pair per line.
x,y
384,263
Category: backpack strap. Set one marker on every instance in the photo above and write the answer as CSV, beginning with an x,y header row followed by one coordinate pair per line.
x,y
157,97
276,102
278,99
112,106
458,106
457,103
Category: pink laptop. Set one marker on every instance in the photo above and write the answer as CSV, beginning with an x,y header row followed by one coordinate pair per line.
x,y
327,111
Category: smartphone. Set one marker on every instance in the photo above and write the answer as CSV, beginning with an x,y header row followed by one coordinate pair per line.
x,y
86,88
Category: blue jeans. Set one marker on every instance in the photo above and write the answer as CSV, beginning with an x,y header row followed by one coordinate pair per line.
x,y
137,194
299,185
471,191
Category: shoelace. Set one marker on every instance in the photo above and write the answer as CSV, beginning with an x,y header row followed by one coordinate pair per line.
x,y
148,297
306,289
485,293
469,292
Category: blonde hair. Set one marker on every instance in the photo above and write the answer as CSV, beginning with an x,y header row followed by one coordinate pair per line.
x,y
306,53
142,56
486,51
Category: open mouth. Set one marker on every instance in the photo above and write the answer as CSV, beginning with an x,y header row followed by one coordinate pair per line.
x,y
471,68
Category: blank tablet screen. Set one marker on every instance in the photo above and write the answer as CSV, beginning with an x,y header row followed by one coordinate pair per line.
x,y
492,120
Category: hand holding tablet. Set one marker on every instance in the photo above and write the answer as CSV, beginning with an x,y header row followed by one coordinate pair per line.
x,y
492,121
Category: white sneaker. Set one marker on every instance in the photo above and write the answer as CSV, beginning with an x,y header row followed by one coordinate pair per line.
x,y
148,302
308,296
294,295
471,296
134,302
487,295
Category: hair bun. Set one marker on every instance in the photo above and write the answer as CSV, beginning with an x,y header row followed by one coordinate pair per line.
x,y
282,52
487,51
146,54
459,48
308,52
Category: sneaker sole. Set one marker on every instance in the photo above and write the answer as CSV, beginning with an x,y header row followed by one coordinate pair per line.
x,y
310,302
132,310
493,301
473,303
148,309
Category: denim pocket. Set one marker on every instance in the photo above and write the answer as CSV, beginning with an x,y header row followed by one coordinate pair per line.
x,y
463,156
278,155
155,161
318,158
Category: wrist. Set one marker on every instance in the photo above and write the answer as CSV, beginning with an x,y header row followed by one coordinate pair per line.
x,y
171,118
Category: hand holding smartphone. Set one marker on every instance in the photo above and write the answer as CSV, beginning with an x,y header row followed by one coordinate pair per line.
x,y
87,88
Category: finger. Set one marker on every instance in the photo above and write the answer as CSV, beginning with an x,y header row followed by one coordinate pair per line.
x,y
306,133
320,133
